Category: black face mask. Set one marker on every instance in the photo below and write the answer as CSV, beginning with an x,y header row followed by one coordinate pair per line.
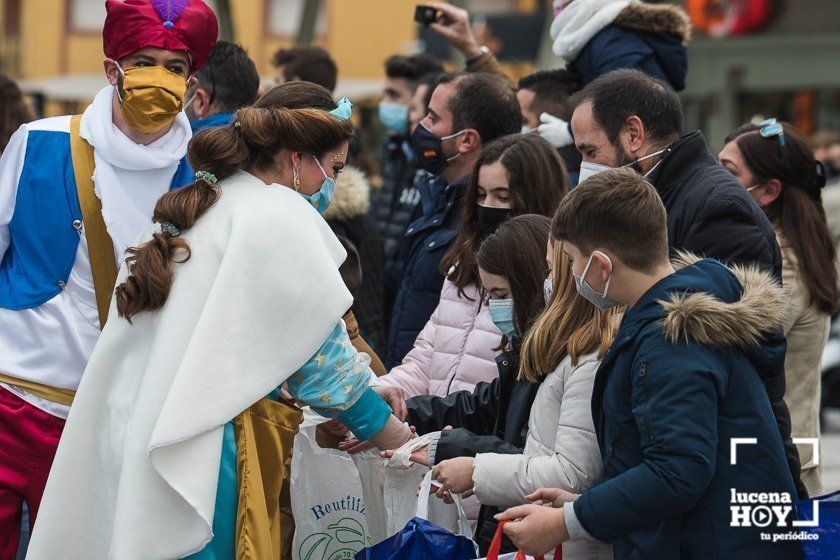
x,y
490,218
428,151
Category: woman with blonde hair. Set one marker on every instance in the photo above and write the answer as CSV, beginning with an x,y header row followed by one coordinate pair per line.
x,y
560,354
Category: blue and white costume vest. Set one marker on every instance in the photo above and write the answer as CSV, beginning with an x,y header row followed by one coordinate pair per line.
x,y
45,228
49,323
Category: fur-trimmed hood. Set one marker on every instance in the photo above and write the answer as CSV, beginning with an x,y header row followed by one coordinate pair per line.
x,y
656,18
707,318
352,195
593,35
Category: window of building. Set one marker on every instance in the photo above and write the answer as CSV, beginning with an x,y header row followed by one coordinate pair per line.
x,y
284,18
86,15
89,15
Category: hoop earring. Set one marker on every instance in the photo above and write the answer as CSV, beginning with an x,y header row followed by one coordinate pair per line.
x,y
296,179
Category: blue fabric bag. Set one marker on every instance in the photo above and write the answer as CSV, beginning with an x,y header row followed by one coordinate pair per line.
x,y
423,540
825,541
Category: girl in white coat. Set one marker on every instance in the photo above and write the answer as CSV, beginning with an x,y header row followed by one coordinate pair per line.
x,y
564,347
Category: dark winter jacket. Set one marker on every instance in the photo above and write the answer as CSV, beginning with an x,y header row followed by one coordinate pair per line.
x,y
709,211
392,206
712,215
643,37
425,242
681,381
348,216
491,419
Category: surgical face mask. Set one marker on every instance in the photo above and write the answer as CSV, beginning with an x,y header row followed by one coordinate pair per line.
x,y
526,129
548,289
601,301
588,168
501,312
489,218
428,150
150,97
394,117
321,199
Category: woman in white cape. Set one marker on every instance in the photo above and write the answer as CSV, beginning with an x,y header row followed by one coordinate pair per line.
x,y
173,444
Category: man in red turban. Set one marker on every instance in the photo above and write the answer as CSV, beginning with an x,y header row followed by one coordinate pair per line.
x,y
173,25
162,43
74,194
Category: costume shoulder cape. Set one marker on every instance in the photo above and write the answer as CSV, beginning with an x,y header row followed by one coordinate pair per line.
x,y
139,458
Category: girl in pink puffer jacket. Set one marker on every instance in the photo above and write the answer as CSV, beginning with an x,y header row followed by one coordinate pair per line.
x,y
456,350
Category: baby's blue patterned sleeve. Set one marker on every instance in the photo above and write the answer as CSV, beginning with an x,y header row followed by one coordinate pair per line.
x,y
335,384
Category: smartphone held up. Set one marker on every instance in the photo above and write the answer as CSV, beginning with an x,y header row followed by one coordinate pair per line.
x,y
425,15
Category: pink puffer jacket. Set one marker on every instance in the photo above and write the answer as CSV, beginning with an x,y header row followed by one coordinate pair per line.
x,y
454,351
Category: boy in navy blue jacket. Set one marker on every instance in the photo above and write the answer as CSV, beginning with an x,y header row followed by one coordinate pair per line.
x,y
694,466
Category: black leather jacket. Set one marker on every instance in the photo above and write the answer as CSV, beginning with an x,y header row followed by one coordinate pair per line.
x,y
491,419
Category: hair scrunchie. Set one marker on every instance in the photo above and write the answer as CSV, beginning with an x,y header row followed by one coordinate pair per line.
x,y
207,177
170,229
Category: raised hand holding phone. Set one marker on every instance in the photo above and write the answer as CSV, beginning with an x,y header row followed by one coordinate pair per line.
x,y
453,24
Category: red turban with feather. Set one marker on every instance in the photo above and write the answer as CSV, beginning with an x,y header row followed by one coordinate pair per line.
x,y
174,25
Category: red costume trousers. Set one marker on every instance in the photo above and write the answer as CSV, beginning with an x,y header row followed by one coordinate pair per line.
x,y
28,441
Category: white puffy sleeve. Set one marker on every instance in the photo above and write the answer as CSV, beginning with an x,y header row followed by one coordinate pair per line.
x,y
11,165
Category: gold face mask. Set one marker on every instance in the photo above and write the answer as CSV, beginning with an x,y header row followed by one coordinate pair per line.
x,y
151,97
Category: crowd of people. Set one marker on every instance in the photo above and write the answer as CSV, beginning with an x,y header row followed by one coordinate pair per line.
x,y
582,303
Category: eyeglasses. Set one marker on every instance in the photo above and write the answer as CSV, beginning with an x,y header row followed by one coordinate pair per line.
x,y
771,128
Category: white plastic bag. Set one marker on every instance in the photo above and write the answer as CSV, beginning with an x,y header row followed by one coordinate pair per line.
x,y
428,508
401,482
371,469
327,501
391,492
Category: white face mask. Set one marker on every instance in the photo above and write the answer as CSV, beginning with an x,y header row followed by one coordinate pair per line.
x,y
601,301
548,289
588,168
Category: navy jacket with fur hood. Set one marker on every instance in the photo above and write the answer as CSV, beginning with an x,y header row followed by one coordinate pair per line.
x,y
682,379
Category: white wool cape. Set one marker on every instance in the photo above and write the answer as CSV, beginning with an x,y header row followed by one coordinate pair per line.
x,y
136,471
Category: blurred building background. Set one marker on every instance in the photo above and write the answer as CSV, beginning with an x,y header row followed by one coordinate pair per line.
x,y
783,61
747,58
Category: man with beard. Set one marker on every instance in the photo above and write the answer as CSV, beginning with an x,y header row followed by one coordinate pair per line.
x,y
629,119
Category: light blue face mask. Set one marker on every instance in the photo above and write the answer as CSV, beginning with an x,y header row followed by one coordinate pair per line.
x,y
601,301
394,117
321,199
501,312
